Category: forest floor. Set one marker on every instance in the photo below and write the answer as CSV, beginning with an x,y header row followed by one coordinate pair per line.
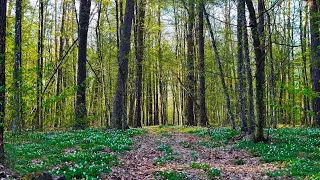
x,y
163,152
172,154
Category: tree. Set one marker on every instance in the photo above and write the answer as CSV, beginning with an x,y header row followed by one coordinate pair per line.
x,y
202,79
119,108
260,67
315,57
39,121
81,110
240,28
3,27
251,116
221,73
17,76
139,59
190,84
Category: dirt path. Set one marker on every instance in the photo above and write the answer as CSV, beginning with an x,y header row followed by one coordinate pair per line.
x,y
140,163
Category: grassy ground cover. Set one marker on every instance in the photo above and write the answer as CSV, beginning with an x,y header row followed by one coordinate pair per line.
x,y
78,154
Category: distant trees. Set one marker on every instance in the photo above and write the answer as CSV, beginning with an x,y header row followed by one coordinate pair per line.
x,y
3,22
175,74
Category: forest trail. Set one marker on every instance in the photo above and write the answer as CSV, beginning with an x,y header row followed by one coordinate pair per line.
x,y
175,151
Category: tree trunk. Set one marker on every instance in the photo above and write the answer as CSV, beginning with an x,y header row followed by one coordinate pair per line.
x,y
17,76
3,22
260,64
139,59
251,117
119,98
221,73
202,79
240,27
190,83
40,68
315,57
273,120
81,110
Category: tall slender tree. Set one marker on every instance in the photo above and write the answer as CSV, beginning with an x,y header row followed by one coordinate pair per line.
x,y
240,27
3,27
251,116
39,122
17,77
315,57
81,110
260,69
139,59
221,73
202,87
190,84
119,108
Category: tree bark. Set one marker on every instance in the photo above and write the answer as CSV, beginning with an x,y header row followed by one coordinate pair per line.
x,y
251,117
17,76
315,57
81,110
139,59
260,67
3,27
39,122
119,98
202,79
240,27
190,84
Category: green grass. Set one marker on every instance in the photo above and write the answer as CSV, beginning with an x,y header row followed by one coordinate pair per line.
x,y
77,154
298,149
217,137
173,175
199,165
212,172
167,155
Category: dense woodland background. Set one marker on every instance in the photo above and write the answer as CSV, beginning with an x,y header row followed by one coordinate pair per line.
x,y
101,63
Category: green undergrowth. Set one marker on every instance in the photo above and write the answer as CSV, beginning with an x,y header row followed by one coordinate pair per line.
x,y
162,129
173,175
215,137
167,155
75,154
298,149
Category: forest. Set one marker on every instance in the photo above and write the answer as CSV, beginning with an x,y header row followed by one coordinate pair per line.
x,y
159,89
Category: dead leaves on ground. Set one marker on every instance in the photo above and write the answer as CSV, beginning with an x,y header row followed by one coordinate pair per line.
x,y
139,163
